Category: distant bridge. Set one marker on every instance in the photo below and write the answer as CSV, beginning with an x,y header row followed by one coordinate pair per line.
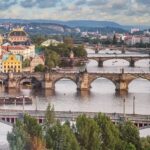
x,y
10,116
131,58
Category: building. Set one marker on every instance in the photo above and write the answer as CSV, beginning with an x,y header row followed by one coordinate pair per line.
x,y
1,39
50,42
25,51
37,60
18,37
132,40
11,62
18,42
133,30
145,39
0,63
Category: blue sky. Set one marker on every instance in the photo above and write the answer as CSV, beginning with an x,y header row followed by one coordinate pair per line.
x,y
121,11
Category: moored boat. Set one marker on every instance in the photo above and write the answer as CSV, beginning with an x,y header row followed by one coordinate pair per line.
x,y
21,100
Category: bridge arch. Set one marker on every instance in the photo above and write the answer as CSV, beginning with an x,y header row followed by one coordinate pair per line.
x,y
28,80
111,83
92,63
141,82
142,63
60,78
116,62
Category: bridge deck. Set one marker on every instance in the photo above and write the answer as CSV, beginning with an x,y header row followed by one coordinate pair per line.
x,y
69,115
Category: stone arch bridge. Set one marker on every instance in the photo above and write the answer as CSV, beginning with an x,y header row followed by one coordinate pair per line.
x,y
130,58
82,80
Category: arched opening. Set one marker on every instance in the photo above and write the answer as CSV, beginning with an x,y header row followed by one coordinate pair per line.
x,y
29,83
108,51
143,63
139,85
102,85
26,82
65,86
90,50
92,64
1,83
116,62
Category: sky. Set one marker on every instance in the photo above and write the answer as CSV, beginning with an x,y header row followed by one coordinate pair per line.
x,y
130,12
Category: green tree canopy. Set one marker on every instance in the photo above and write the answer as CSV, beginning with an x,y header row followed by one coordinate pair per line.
x,y
109,132
130,134
61,137
88,133
145,142
26,63
39,68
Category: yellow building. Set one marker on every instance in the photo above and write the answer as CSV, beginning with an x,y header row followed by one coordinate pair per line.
x,y
11,62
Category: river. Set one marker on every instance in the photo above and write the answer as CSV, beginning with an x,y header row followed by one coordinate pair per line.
x,y
101,98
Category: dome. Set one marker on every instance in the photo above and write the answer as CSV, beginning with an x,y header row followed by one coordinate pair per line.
x,y
17,33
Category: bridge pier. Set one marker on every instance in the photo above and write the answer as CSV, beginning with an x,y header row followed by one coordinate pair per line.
x,y
132,62
11,82
47,83
100,63
122,83
83,82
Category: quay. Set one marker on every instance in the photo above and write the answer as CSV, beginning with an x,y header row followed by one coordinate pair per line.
x,y
10,116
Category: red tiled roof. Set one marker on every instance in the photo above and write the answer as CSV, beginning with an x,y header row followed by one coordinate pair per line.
x,y
13,47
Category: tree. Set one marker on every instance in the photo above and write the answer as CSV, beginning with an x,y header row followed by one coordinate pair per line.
x,y
109,132
130,134
79,51
26,63
18,138
88,133
39,68
49,117
68,41
52,59
37,144
145,142
61,137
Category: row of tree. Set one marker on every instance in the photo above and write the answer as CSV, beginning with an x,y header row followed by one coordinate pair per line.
x,y
86,134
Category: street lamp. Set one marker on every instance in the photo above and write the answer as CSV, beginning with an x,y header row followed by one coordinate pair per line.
x,y
133,105
124,107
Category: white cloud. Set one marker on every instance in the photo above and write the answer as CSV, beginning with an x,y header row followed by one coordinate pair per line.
x,y
122,11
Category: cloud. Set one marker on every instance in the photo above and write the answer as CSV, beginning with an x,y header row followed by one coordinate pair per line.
x,y
122,11
144,2
5,4
28,3
39,3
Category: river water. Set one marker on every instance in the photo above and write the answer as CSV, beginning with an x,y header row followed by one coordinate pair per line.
x,y
101,98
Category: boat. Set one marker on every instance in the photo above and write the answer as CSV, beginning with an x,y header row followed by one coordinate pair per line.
x,y
16,100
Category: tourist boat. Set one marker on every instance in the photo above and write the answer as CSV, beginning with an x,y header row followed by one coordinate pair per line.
x,y
16,100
